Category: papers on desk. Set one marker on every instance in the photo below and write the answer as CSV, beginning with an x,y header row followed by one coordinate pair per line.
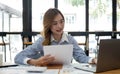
x,y
69,69
28,70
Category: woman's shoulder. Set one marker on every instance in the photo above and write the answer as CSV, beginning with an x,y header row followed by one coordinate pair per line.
x,y
40,38
69,37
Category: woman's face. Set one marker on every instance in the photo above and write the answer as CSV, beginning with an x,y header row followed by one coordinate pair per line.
x,y
57,25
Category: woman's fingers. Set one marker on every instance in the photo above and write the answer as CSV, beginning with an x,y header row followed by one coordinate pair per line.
x,y
47,59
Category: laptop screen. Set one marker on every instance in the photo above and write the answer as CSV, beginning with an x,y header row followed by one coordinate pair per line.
x,y
109,54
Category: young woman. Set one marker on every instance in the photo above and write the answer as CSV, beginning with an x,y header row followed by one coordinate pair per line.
x,y
53,34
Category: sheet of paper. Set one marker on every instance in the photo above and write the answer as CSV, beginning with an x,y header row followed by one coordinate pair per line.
x,y
62,53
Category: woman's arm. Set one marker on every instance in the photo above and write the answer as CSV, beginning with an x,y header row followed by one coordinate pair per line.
x,y
78,53
33,51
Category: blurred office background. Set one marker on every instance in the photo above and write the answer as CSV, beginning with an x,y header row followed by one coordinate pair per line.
x,y
87,20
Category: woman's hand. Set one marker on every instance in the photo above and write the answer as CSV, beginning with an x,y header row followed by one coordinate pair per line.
x,y
42,61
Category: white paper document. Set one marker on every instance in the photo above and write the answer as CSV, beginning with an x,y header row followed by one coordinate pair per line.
x,y
62,53
29,68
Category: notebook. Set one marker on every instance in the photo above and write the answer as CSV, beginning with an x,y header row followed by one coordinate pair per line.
x,y
108,57
62,53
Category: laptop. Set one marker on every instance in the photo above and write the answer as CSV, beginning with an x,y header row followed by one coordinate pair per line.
x,y
62,53
108,57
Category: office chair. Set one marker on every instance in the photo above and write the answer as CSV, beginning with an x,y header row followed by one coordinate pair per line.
x,y
25,38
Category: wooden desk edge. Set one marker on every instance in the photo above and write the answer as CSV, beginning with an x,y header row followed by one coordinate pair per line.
x,y
56,66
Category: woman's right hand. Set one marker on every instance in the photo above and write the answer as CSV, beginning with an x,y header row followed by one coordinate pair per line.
x,y
42,61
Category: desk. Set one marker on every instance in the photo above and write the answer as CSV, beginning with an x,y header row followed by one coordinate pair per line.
x,y
58,69
117,71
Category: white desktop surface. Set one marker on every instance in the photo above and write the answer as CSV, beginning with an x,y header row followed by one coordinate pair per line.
x,y
26,71
66,69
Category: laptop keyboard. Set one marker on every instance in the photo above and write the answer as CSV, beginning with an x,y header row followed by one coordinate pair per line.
x,y
86,67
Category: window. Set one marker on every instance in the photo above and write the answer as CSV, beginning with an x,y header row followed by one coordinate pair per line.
x,y
100,15
74,14
39,7
15,6
11,20
1,21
